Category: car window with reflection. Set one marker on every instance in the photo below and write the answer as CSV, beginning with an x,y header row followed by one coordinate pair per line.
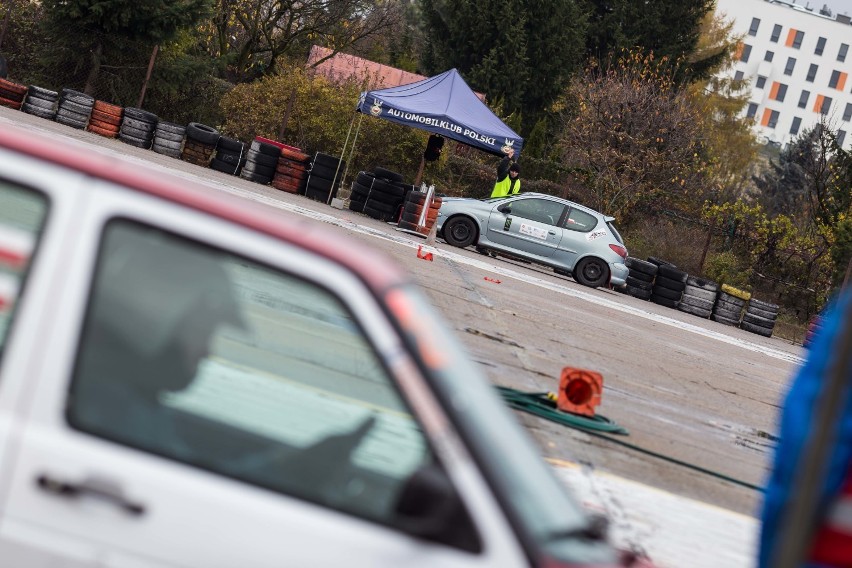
x,y
541,210
22,215
216,361
581,221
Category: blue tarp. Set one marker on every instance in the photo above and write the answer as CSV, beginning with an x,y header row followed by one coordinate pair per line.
x,y
444,105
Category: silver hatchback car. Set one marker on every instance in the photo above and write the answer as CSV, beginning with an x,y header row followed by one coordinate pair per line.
x,y
572,239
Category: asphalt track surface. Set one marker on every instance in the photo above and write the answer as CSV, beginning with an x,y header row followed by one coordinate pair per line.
x,y
699,399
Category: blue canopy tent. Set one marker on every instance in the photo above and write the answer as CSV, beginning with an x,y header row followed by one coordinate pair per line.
x,y
444,105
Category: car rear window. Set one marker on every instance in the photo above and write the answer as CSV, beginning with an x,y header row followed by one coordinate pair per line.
x,y
22,215
578,220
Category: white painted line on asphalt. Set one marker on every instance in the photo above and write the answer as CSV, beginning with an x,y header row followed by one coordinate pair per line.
x,y
674,531
401,239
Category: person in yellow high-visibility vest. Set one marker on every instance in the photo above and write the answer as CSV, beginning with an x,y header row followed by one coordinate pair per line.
x,y
508,177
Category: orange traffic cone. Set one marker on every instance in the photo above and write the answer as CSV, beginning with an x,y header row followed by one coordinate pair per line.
x,y
579,391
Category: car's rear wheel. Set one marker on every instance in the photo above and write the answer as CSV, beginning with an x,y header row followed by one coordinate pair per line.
x,y
592,272
460,232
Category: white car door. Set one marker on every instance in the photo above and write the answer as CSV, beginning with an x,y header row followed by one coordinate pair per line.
x,y
195,406
530,227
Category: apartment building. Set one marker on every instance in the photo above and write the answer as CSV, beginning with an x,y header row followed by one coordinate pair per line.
x,y
797,62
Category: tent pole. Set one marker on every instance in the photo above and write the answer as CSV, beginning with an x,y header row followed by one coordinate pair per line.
x,y
419,177
342,151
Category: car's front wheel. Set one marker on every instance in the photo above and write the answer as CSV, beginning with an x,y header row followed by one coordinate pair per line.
x,y
460,231
592,272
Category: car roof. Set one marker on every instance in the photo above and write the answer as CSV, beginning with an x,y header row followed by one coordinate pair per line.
x,y
373,267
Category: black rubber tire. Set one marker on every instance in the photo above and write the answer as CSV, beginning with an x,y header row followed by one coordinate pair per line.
x,y
384,197
138,124
392,191
757,320
72,122
460,231
229,158
762,313
147,135
672,273
636,275
359,197
166,151
357,206
202,133
265,148
636,283
702,293
169,135
659,262
254,167
759,330
664,282
38,111
73,107
723,320
365,178
639,293
703,283
327,172
77,97
44,104
257,178
319,184
262,159
694,310
641,266
727,314
167,144
667,302
133,141
220,166
666,292
387,174
321,159
388,208
316,195
765,306
697,302
725,297
591,271
231,145
140,114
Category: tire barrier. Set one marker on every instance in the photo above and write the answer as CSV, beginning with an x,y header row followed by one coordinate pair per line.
x,y
230,156
261,160
640,277
699,297
669,284
199,144
412,210
291,171
75,108
137,128
41,102
382,195
12,94
324,176
168,139
106,119
759,317
727,309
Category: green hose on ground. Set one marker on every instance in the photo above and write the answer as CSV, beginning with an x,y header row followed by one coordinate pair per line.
x,y
540,404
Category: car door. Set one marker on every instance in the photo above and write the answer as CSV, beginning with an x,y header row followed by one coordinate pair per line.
x,y
531,227
213,397
577,235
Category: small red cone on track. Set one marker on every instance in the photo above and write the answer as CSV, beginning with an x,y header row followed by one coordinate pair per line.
x,y
579,391
423,255
492,280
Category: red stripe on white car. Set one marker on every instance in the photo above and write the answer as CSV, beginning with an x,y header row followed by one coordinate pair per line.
x,y
16,246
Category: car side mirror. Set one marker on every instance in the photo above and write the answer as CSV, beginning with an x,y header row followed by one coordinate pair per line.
x,y
430,508
505,208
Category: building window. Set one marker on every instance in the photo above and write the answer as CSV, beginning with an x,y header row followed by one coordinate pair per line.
x,y
770,118
812,71
847,113
822,104
778,92
794,38
841,54
841,137
803,99
776,33
797,123
769,56
820,46
838,80
760,83
791,64
745,52
755,23
738,76
752,110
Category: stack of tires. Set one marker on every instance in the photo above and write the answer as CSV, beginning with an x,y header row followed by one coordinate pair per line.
x,y
137,127
759,317
323,175
669,284
41,102
699,297
291,173
230,155
75,108
379,194
12,94
106,119
729,306
415,202
261,161
640,277
200,144
168,139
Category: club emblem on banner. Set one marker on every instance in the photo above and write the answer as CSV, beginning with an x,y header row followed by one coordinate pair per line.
x,y
507,146
376,109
